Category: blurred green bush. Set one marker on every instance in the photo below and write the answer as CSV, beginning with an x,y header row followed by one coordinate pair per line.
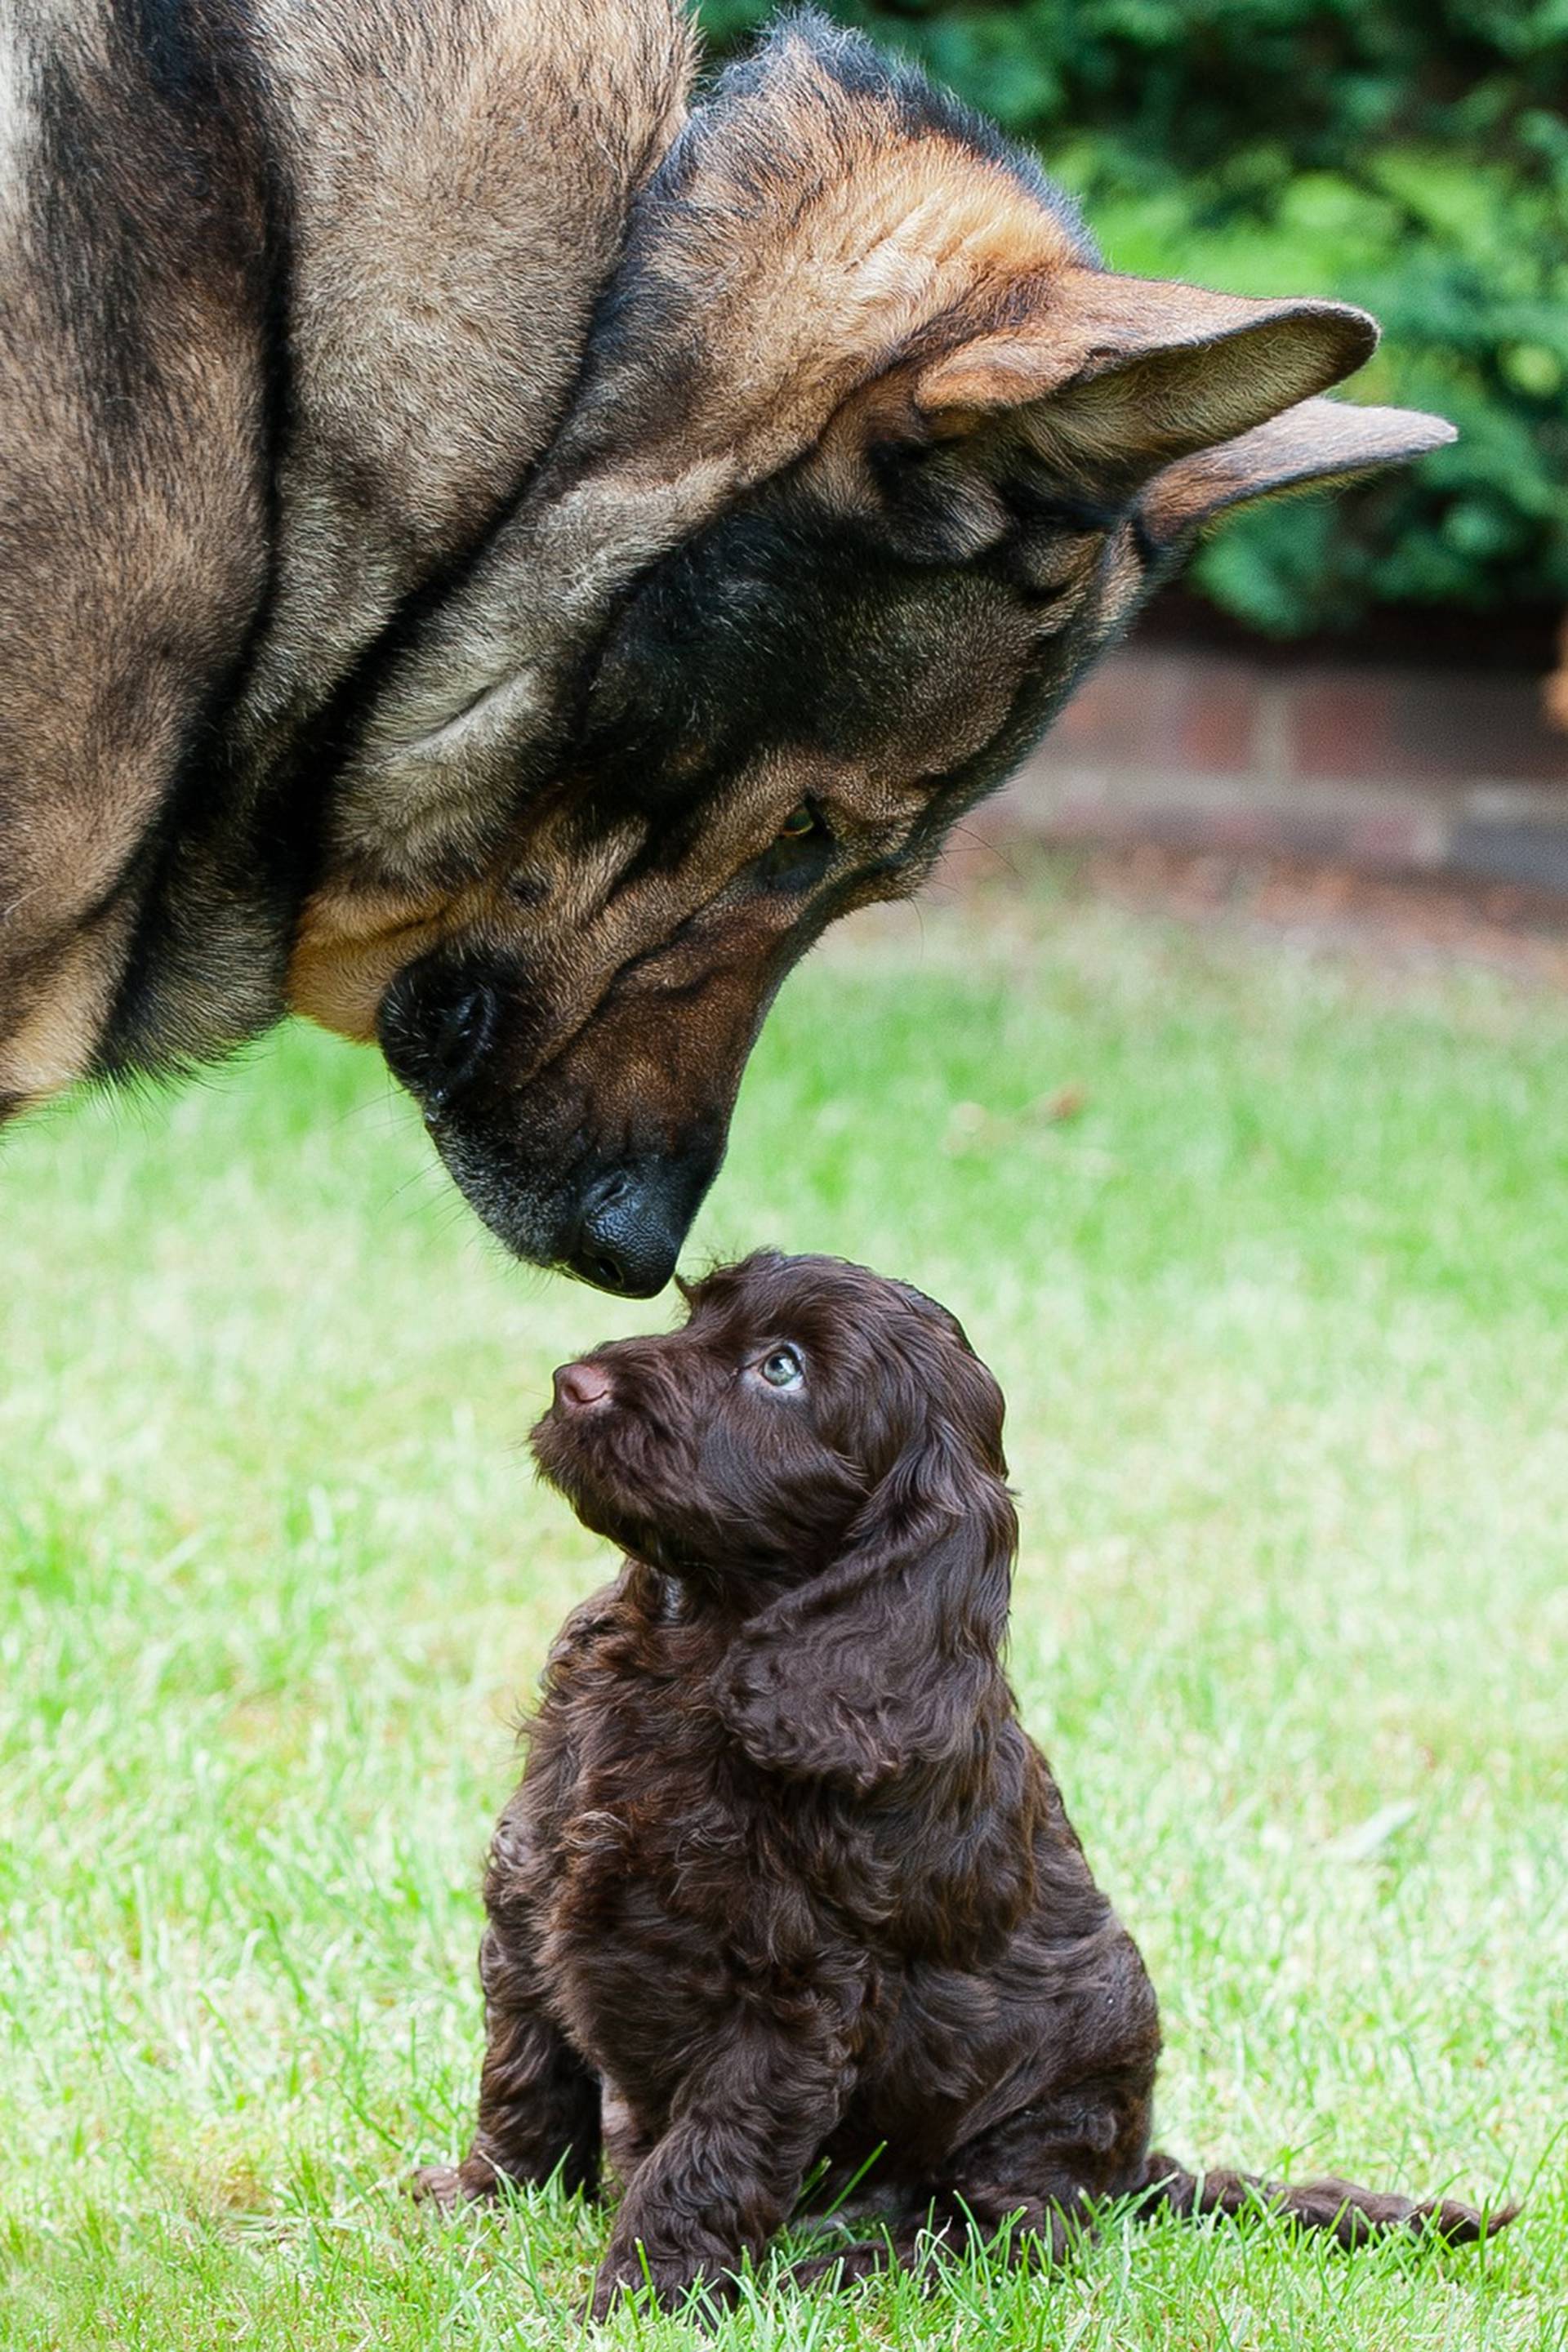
x,y
1411,156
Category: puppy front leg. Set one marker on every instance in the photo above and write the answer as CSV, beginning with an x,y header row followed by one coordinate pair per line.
x,y
743,2130
538,2100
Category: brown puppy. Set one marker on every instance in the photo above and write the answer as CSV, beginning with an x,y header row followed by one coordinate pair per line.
x,y
785,1879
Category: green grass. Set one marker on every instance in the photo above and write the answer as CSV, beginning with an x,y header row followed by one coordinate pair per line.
x,y
1282,1313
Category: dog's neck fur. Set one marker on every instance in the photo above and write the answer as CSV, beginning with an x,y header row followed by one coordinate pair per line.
x,y
373,318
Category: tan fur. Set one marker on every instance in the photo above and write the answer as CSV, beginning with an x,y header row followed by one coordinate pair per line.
x,y
463,182
458,237
1316,441
796,295
351,945
119,582
342,588
573,923
1555,692
50,1047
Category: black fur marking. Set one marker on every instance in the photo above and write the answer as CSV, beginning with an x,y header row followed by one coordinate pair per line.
x,y
99,264
299,800
209,100
159,33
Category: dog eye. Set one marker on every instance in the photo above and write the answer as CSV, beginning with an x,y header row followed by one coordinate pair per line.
x,y
783,1368
799,853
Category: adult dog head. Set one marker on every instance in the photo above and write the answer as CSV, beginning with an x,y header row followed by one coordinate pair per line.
x,y
872,458
869,457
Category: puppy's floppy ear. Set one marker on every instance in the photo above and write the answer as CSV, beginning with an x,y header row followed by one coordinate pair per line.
x,y
882,1662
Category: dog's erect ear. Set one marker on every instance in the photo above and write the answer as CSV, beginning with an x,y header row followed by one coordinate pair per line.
x,y
1115,378
882,1662
1317,442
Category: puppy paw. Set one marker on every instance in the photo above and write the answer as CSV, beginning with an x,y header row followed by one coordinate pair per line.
x,y
671,2284
450,2187
841,2266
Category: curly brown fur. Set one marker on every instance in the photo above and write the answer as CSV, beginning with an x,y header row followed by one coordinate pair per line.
x,y
786,1881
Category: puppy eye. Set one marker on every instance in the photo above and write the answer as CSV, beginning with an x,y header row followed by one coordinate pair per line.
x,y
782,1369
801,824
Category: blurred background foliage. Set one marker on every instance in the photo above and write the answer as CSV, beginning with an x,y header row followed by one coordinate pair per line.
x,y
1411,156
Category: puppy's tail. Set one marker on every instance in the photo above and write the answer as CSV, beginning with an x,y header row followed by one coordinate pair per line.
x,y
1351,2216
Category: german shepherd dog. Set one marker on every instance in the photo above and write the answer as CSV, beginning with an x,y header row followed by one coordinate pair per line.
x,y
499,552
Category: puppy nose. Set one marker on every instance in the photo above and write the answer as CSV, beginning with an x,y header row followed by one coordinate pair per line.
x,y
580,1387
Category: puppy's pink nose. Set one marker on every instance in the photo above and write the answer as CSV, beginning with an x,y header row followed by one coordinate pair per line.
x,y
580,1387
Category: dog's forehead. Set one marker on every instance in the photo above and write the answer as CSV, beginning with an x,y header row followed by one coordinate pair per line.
x,y
785,640
750,1301
817,1300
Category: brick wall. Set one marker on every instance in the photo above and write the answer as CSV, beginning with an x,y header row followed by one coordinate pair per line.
x,y
1433,770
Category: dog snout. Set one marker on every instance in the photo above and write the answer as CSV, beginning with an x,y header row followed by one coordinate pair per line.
x,y
580,1387
630,1232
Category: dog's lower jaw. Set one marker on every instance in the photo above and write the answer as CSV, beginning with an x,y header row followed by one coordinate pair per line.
x,y
557,1452
519,1211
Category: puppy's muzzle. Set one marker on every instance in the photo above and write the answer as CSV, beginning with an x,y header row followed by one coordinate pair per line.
x,y
582,1388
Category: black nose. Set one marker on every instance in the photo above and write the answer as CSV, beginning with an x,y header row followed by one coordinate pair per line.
x,y
437,1022
629,1235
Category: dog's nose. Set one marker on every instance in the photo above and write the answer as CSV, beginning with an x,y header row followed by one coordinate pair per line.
x,y
580,1387
629,1235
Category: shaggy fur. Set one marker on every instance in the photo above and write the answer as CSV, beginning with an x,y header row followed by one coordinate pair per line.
x,y
497,556
785,1880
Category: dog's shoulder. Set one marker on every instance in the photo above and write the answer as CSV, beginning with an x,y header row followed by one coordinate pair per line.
x,y
606,1612
629,1630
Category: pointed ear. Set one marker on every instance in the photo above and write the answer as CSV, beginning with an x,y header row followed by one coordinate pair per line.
x,y
1118,377
1317,441
883,1661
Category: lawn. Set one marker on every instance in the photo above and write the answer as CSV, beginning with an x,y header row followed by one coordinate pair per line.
x,y
1270,1252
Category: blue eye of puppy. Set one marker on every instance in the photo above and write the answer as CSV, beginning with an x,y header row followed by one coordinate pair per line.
x,y
783,1368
